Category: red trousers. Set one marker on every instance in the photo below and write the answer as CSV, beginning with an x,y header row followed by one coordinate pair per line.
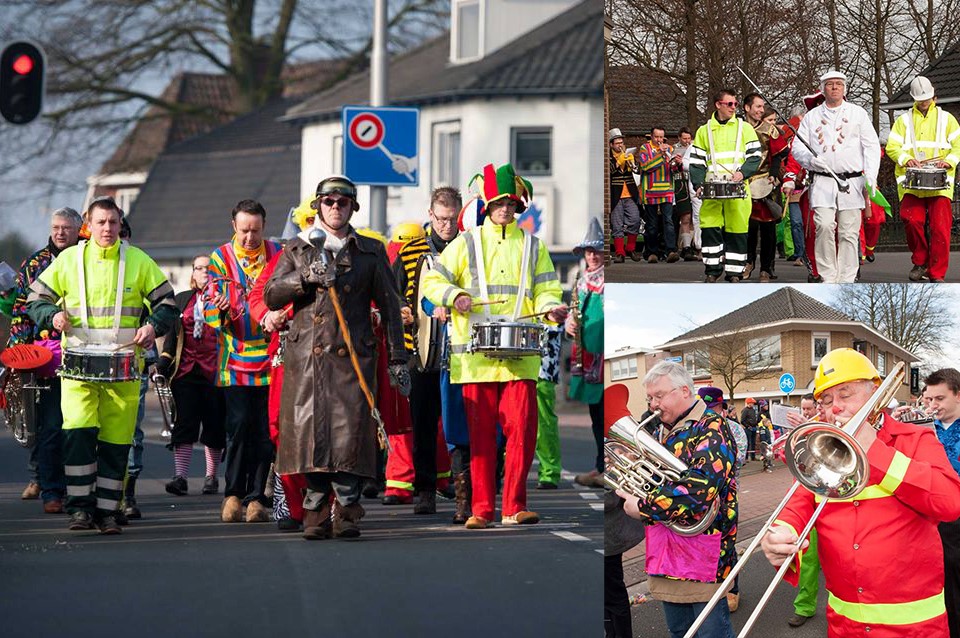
x,y
512,404
400,471
935,254
293,484
870,228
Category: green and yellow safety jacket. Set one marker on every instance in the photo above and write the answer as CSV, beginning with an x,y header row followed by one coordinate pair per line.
x,y
914,135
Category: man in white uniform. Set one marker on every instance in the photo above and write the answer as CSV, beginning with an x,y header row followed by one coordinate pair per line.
x,y
845,142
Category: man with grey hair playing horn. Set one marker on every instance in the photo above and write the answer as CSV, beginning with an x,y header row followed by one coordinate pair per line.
x,y
685,571
46,457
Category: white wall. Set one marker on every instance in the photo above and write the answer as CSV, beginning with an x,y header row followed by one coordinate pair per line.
x,y
571,194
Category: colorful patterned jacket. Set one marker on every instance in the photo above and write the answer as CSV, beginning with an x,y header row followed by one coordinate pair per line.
x,y
22,328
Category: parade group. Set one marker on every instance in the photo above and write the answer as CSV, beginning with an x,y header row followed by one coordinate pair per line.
x,y
300,365
884,524
739,190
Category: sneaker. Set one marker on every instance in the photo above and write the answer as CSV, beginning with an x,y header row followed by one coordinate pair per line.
x,y
918,273
546,485
108,525
53,506
477,522
652,259
797,620
31,491
871,258
210,485
672,258
177,487
80,521
521,518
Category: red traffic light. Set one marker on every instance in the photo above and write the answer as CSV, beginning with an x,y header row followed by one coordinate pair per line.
x,y
23,64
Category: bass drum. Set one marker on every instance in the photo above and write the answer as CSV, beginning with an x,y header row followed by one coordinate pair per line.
x,y
427,331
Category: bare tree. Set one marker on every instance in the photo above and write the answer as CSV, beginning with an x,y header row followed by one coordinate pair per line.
x,y
918,318
735,357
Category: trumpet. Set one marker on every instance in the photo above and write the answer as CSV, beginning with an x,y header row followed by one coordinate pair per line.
x,y
828,461
168,407
639,465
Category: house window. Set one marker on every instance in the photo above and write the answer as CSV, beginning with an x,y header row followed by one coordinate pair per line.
x,y
467,29
125,198
763,352
530,150
881,362
697,363
624,368
821,346
861,347
445,170
337,155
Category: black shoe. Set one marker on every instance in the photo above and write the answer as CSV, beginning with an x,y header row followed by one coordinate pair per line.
x,y
449,493
618,258
80,521
733,280
544,485
108,525
391,500
122,520
288,525
371,489
177,487
210,485
131,511
918,273
797,620
871,258
814,279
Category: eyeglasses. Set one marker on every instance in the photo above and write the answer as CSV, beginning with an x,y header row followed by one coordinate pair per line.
x,y
439,221
331,202
734,104
659,396
199,268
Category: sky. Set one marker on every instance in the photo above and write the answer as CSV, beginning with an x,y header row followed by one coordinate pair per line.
x,y
647,315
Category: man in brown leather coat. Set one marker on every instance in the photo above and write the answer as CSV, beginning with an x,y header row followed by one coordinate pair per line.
x,y
326,428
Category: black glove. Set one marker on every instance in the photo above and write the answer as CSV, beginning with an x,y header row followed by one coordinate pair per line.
x,y
400,377
318,273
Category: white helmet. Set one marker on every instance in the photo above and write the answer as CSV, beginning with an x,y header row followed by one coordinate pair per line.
x,y
921,89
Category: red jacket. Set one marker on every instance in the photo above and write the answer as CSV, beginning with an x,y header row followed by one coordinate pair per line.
x,y
880,551
258,308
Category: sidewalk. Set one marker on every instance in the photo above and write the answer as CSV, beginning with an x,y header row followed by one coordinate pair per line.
x,y
759,494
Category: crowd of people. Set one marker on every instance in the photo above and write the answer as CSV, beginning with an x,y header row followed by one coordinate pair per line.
x,y
865,545
426,346
738,192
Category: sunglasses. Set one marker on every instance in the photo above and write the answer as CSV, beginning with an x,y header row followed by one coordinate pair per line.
x,y
331,202
732,105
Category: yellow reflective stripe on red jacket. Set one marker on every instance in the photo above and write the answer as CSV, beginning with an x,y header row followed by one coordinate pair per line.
x,y
905,613
895,473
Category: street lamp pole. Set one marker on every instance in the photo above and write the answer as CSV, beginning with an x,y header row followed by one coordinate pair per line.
x,y
378,97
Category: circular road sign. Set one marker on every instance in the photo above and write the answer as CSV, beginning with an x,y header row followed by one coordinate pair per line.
x,y
366,131
787,383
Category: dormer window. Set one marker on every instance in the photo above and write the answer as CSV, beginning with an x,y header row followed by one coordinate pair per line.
x,y
465,36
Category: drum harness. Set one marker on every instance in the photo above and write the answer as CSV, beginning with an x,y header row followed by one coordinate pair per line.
x,y
482,275
118,304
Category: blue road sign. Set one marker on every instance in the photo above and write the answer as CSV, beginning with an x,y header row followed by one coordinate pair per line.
x,y
381,145
674,359
787,383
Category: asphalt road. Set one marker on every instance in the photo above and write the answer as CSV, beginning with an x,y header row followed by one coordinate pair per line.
x,y
648,620
888,267
180,572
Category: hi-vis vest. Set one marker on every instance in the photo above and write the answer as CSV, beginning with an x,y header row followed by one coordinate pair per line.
x,y
512,266
722,149
86,278
913,136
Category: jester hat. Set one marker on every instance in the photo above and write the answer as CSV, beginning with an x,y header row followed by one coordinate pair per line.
x,y
502,183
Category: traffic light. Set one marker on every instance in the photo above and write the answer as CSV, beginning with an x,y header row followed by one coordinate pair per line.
x,y
22,68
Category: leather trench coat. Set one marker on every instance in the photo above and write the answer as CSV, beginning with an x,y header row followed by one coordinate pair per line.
x,y
325,420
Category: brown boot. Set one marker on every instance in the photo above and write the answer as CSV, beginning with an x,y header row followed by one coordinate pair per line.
x,y
257,513
232,511
346,519
31,491
317,524
427,504
461,487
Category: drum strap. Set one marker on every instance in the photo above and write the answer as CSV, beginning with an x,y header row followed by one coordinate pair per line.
x,y
738,159
118,303
524,271
481,269
941,139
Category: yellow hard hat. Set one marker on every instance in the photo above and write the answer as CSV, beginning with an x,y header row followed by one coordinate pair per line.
x,y
406,232
842,365
369,232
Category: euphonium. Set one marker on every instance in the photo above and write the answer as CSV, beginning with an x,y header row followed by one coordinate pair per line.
x,y
20,404
638,464
168,407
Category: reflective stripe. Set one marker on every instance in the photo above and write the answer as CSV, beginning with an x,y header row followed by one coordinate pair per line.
x,y
895,473
901,179
906,613
445,299
441,475
109,484
737,256
80,470
711,261
710,250
158,293
734,268
787,525
107,504
952,157
42,290
904,158
459,348
440,268
400,485
895,136
953,135
870,492
80,490
545,276
102,311
472,259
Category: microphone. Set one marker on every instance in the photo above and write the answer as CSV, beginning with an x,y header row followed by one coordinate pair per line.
x,y
317,239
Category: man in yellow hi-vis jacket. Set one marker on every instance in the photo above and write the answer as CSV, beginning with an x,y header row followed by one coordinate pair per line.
x,y
497,261
926,137
104,284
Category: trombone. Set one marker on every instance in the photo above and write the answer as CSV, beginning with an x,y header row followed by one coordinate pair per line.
x,y
826,460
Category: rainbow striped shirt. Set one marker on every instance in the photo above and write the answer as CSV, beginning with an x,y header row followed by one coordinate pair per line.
x,y
656,185
242,357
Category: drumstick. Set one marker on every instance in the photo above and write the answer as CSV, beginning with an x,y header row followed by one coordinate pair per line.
x,y
536,314
489,302
125,345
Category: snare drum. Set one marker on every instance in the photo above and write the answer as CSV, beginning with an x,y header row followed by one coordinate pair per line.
x,y
926,179
723,190
506,340
99,364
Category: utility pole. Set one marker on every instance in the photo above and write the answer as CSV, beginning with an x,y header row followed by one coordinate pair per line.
x,y
378,97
